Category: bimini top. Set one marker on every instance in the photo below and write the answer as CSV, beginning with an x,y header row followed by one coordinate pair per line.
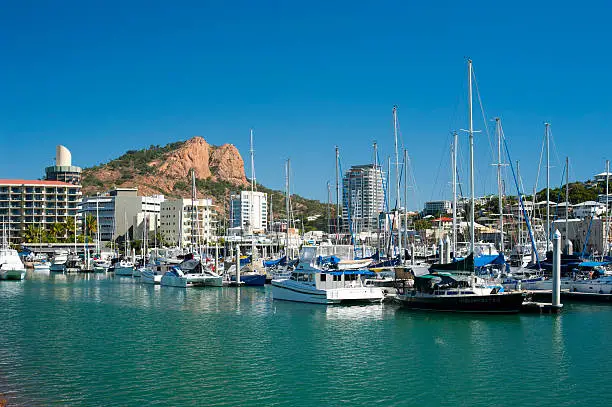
x,y
594,263
358,272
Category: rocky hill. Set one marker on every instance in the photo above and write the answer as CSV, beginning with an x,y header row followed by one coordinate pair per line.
x,y
166,170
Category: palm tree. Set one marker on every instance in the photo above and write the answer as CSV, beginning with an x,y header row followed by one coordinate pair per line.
x,y
92,225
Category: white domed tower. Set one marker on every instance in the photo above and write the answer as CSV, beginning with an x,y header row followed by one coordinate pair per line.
x,y
63,170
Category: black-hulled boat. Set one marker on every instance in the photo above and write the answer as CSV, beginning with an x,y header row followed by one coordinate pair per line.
x,y
445,292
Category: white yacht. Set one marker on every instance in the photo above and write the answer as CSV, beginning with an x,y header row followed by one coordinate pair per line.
x,y
74,264
11,266
43,266
601,285
59,261
123,268
101,266
190,273
310,283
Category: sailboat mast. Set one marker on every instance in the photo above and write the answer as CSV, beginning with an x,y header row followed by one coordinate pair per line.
x,y
547,137
471,132
454,177
500,192
252,200
397,186
607,247
328,209
567,198
338,217
520,218
376,174
287,208
193,210
405,198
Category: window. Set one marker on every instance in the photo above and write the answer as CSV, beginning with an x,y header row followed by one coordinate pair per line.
x,y
323,277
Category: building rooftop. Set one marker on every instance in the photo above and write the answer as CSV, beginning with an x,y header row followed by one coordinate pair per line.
x,y
34,182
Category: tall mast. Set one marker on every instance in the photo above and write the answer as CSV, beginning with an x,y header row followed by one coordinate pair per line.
x,y
397,187
193,210
389,203
252,200
287,208
454,177
500,192
471,132
520,218
547,137
607,247
338,217
405,197
566,198
328,209
98,224
378,175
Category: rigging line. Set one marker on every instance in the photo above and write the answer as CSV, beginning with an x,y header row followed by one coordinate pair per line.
x,y
556,153
540,165
484,118
442,156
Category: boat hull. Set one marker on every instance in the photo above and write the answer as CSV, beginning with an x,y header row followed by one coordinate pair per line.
x,y
191,281
254,280
124,271
504,303
150,277
287,290
14,274
57,268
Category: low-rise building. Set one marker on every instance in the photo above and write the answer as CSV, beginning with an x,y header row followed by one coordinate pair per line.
x,y
437,207
187,223
589,209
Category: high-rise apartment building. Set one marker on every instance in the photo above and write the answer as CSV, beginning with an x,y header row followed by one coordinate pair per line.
x,y
249,211
25,203
362,198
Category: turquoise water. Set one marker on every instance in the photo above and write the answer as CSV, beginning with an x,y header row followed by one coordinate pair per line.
x,y
93,340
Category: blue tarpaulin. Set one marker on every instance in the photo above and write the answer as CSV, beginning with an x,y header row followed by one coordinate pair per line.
x,y
593,264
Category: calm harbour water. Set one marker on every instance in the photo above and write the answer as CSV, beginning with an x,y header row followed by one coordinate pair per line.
x,y
94,340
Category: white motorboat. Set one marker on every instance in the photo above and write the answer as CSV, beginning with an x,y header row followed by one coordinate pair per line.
x,y
42,266
101,266
310,283
58,264
191,273
11,266
74,264
601,285
123,268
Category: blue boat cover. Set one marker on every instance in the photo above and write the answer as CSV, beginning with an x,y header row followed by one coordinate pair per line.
x,y
593,263
245,261
360,272
278,262
328,260
485,260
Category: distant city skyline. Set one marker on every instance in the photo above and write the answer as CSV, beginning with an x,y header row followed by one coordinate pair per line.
x,y
102,78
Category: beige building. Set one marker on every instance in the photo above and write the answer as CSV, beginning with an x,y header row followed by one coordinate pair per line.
x,y
184,224
35,203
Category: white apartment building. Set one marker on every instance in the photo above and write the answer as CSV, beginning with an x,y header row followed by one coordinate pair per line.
x,y
589,208
363,197
26,203
249,211
185,224
121,210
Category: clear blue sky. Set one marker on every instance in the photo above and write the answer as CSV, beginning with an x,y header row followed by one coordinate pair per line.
x,y
105,77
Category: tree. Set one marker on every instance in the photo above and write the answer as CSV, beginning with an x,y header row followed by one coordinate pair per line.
x,y
92,225
422,224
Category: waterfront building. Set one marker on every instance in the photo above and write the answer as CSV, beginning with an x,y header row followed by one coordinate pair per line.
x,y
580,231
363,197
63,170
25,203
122,210
437,208
588,209
249,211
185,224
601,198
601,177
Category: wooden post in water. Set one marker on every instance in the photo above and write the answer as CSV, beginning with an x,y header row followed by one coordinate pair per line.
x,y
238,264
556,284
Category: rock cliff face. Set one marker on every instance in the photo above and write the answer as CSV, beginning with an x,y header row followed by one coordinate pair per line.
x,y
166,170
